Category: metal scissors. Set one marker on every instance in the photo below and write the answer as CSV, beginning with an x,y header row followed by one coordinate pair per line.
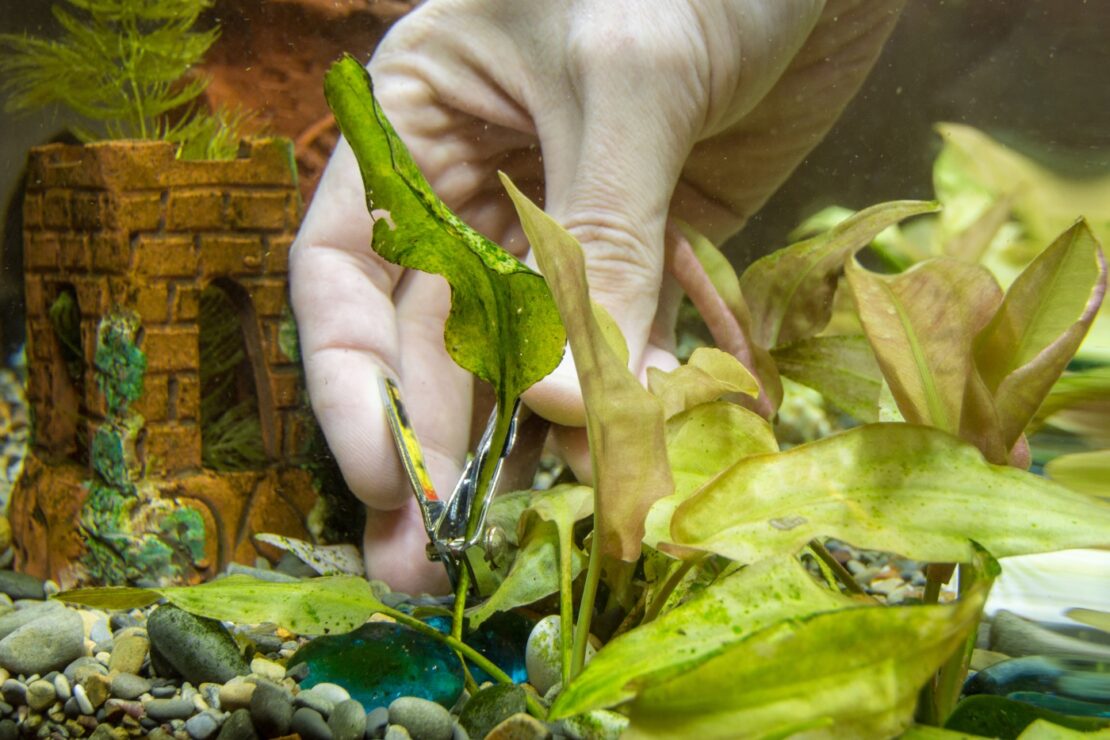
x,y
446,522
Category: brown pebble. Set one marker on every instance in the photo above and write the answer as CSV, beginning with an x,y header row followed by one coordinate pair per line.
x,y
97,688
128,653
521,726
236,695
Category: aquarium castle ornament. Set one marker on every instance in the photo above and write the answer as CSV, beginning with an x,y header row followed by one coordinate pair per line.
x,y
446,522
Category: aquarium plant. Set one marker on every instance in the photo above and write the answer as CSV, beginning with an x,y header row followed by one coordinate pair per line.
x,y
124,66
686,556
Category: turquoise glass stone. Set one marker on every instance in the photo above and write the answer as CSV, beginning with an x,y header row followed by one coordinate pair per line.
x,y
1070,678
501,639
381,661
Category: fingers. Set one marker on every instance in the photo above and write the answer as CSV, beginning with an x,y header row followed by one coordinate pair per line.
x,y
612,157
341,293
395,549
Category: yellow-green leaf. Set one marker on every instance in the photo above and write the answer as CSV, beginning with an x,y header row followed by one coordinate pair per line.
x,y
701,443
1039,326
790,291
846,673
893,487
922,324
724,613
1088,472
110,597
624,422
709,374
314,606
843,369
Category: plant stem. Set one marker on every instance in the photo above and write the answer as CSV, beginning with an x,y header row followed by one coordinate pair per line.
x,y
465,651
675,578
842,573
952,674
586,606
458,610
566,601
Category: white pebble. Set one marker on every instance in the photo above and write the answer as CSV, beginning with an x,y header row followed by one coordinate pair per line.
x,y
50,588
200,703
104,656
333,692
61,686
83,702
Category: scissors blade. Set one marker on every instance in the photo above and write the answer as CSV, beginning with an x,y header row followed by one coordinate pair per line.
x,y
412,457
456,515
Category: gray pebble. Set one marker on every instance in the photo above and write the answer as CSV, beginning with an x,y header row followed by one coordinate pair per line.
x,y
13,691
347,720
31,611
41,694
122,620
376,722
61,685
422,718
49,642
202,726
521,726
163,692
80,669
315,701
310,725
459,733
83,702
167,709
21,585
271,709
8,730
129,686
238,726
70,708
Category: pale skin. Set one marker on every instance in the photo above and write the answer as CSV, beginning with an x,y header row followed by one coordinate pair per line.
x,y
617,115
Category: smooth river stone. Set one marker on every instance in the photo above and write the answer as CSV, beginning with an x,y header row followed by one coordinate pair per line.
x,y
381,661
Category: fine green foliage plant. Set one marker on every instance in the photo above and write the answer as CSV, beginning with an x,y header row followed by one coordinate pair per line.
x,y
699,522
124,66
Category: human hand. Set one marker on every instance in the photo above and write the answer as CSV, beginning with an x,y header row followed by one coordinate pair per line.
x,y
614,114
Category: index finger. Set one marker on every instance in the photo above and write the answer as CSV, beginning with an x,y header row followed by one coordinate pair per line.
x,y
341,292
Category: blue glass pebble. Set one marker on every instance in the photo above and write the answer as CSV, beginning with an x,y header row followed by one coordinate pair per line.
x,y
1070,678
381,661
501,638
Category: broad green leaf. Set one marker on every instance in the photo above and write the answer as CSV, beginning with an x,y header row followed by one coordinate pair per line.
x,y
724,613
701,443
1088,472
623,420
899,488
534,573
847,673
725,312
1039,327
841,368
503,325
790,291
709,374
110,597
313,606
316,606
921,325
